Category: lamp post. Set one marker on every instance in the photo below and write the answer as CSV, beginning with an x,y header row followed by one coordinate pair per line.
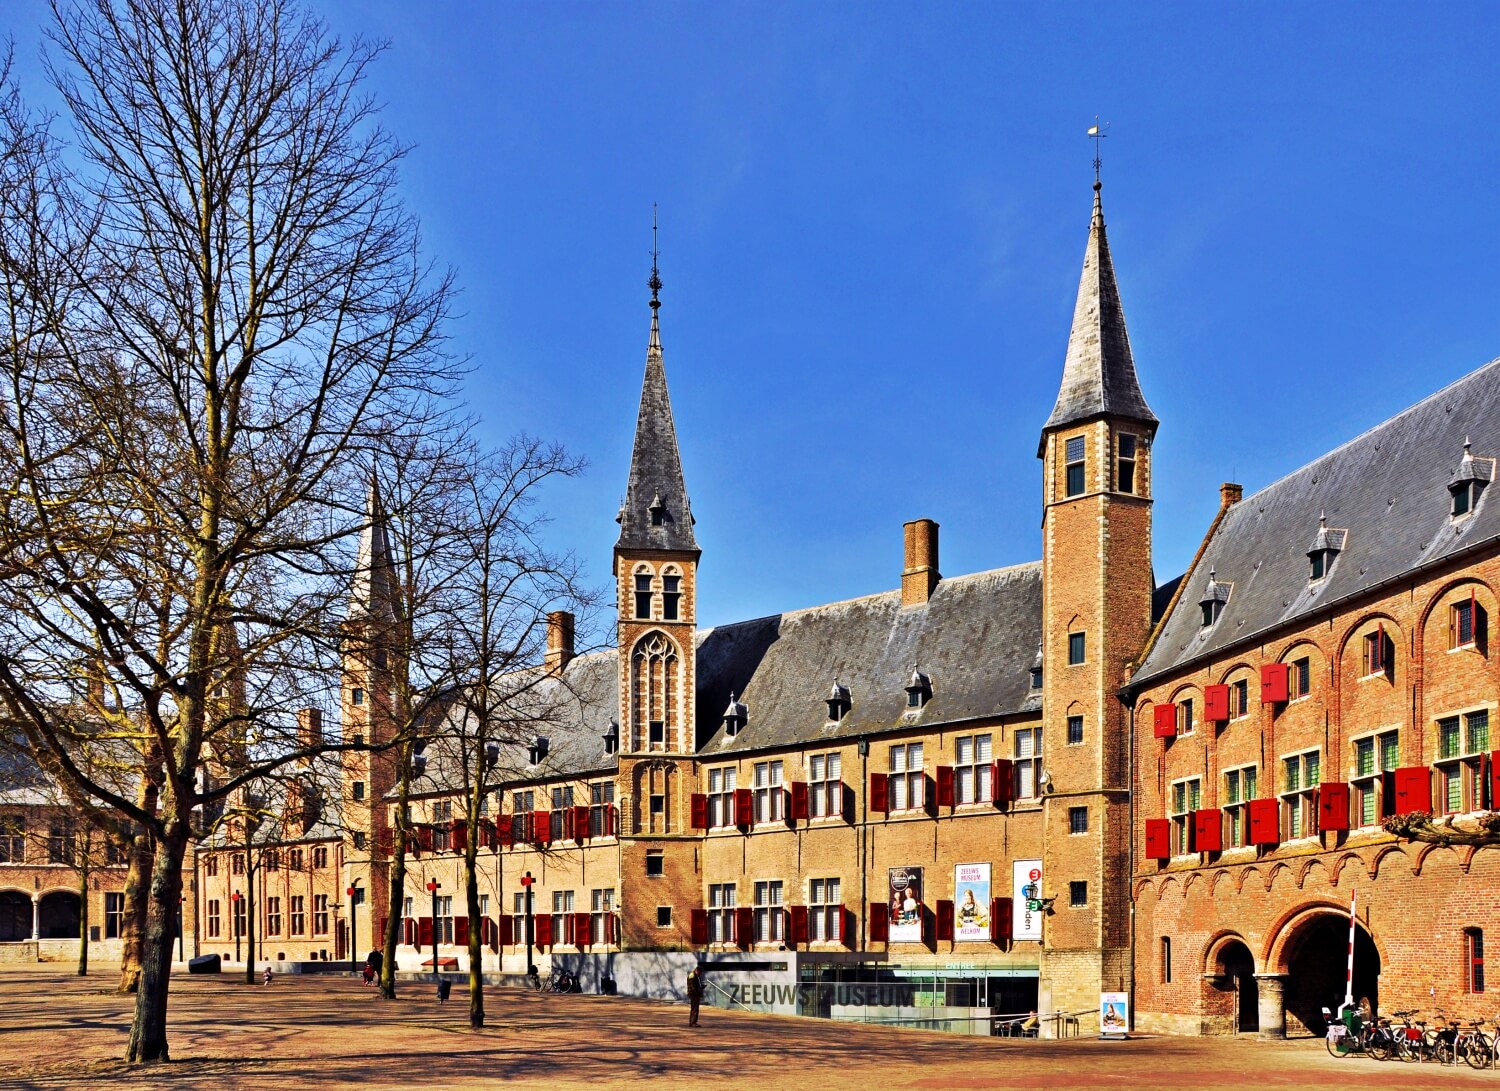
x,y
234,902
181,954
353,945
526,881
432,888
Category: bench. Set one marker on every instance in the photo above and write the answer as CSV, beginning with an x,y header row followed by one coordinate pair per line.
x,y
448,963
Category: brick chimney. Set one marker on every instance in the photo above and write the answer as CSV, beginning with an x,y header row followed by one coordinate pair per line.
x,y
1230,493
920,575
559,640
309,728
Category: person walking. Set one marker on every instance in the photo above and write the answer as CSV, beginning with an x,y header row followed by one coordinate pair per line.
x,y
694,994
268,975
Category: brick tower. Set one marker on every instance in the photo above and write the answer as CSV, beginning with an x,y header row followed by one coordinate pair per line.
x,y
1096,615
371,648
656,570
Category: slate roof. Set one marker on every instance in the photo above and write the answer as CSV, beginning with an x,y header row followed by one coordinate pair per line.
x,y
1386,489
975,640
655,467
1099,371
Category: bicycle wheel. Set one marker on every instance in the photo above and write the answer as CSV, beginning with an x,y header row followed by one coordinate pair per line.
x,y
1478,1050
1378,1045
1337,1045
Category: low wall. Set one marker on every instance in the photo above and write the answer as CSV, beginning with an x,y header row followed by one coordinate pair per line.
x,y
21,951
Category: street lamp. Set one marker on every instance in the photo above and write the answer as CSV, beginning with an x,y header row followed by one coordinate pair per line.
x,y
353,946
432,888
181,954
234,901
526,881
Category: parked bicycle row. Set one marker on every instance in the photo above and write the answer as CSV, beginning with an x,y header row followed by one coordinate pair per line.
x,y
1402,1037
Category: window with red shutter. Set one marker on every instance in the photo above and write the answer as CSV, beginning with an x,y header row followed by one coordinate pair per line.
x,y
1003,779
945,785
611,928
424,838
1158,839
541,827
1264,818
1333,806
611,820
1216,704
1273,684
879,797
1208,830
800,808
583,929
1002,919
744,927
944,919
1494,800
698,810
542,927
507,932
461,931
880,922
700,927
424,931
380,927
1164,717
580,824
460,836
1413,789
744,807
408,931
798,915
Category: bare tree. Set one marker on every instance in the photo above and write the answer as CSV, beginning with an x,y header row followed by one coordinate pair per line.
x,y
212,323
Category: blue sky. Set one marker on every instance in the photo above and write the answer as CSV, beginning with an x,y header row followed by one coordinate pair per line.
x,y
873,220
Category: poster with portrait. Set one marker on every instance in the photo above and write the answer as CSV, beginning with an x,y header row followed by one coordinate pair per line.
x,y
905,902
1114,1015
971,903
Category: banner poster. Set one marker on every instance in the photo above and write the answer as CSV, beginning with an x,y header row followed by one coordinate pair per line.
x,y
1114,1015
971,900
905,901
1026,884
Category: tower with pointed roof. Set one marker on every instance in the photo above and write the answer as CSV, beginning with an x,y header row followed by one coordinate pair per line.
x,y
371,647
656,570
1096,615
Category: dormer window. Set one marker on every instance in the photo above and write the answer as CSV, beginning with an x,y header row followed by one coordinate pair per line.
x,y
735,716
1472,475
536,752
918,690
1036,669
658,511
839,702
612,738
1326,546
1215,595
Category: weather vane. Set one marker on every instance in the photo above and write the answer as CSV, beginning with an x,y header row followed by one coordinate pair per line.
x,y
655,282
1096,134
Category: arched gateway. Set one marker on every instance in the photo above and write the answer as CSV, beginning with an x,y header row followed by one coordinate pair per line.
x,y
1307,966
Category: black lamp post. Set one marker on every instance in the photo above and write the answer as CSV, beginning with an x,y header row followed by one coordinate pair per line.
x,y
432,887
353,946
234,901
526,881
181,955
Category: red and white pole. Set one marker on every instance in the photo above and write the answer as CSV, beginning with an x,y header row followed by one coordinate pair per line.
x,y
1349,981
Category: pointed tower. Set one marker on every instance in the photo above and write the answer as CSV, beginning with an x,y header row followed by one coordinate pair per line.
x,y
656,571
1096,615
371,646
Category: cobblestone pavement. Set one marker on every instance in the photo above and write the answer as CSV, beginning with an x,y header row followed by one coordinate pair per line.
x,y
59,1030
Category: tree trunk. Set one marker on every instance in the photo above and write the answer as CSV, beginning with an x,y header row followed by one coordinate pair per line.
x,y
397,900
476,964
148,1033
133,919
83,914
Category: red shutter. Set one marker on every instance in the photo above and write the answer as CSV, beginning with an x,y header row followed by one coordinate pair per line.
x,y
800,809
380,927
1333,806
798,915
387,842
944,919
1264,819
850,930
408,931
611,928
541,827
542,926
507,931
1208,831
1494,800
611,820
700,927
879,800
698,809
744,807
1158,839
459,839
583,929
1413,789
1273,683
1001,920
424,838
880,922
486,931
744,925
945,785
1216,703
580,824
1003,779
1165,719
461,931
424,931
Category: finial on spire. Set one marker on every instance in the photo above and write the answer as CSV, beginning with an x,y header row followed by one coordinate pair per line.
x,y
655,282
1096,134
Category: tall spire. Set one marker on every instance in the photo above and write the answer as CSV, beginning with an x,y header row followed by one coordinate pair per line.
x,y
655,513
1099,373
374,594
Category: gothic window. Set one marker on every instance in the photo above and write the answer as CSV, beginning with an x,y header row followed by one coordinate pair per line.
x,y
655,685
1125,465
643,596
1074,457
671,595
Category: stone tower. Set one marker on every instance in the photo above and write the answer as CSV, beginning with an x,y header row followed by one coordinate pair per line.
x,y
656,571
1096,615
371,648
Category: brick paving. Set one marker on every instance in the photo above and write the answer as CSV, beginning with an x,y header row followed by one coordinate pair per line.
x,y
60,1031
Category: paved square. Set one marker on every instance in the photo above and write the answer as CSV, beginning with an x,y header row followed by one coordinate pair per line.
x,y
57,1030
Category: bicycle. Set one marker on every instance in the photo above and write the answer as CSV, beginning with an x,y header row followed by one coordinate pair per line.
x,y
1476,1048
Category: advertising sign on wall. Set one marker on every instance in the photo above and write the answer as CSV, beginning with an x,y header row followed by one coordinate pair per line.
x,y
1026,889
905,901
971,902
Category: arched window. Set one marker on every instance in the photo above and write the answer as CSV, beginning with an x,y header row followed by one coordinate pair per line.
x,y
655,687
671,592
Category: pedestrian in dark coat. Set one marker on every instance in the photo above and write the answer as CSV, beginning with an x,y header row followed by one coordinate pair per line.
x,y
694,994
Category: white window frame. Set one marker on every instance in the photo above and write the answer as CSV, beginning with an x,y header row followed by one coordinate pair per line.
x,y
1463,769
1234,805
722,898
973,769
907,782
825,910
770,793
1027,767
1371,785
721,785
825,785
1184,796
770,916
1299,805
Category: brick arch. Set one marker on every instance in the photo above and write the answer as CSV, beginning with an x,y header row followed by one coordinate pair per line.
x,y
1166,885
1299,644
1222,875
1214,948
1442,592
1277,870
1392,626
1239,665
1338,866
1428,850
1306,871
1286,926
1141,886
1245,878
1190,882
1380,856
1186,689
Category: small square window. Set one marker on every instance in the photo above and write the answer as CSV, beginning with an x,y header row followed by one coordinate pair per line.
x,y
1075,730
1078,820
357,696
1301,677
359,841
1078,893
359,790
658,804
1075,649
658,733
664,916
656,863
